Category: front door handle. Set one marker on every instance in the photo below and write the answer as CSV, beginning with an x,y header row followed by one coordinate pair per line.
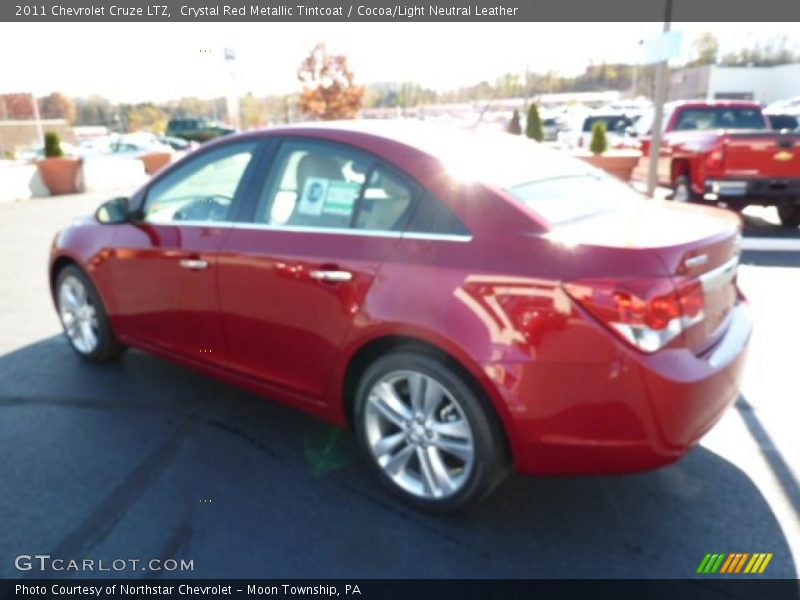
x,y
333,276
195,264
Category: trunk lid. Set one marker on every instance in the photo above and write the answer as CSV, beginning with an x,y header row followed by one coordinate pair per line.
x,y
690,243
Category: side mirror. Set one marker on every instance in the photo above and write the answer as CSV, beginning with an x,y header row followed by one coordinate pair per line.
x,y
632,132
113,212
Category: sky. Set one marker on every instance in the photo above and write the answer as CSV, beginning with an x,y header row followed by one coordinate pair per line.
x,y
133,62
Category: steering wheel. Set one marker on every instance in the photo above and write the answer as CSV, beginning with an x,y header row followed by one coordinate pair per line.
x,y
213,207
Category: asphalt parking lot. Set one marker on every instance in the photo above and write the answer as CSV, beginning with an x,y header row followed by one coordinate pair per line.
x,y
143,459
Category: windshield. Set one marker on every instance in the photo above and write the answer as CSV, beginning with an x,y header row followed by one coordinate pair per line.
x,y
613,123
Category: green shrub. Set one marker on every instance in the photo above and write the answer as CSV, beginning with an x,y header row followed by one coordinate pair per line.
x,y
52,145
599,142
9,155
514,125
533,128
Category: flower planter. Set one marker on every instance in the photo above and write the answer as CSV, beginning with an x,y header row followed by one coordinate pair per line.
x,y
155,161
60,174
619,163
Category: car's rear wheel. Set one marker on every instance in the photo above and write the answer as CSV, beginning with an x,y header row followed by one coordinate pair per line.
x,y
682,190
429,435
85,322
790,215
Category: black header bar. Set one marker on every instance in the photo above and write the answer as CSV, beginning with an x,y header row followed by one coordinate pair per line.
x,y
396,10
707,588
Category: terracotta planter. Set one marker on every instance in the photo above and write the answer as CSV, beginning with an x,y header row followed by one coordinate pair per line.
x,y
155,161
619,163
60,175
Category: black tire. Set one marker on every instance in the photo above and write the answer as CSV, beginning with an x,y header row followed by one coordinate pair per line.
x,y
682,190
490,459
108,347
790,215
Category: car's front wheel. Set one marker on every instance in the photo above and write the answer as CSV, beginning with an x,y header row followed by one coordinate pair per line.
x,y
84,318
429,435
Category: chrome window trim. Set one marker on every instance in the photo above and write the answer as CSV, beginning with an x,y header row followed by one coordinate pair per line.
x,y
411,235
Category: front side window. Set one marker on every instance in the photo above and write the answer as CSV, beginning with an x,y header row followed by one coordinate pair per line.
x,y
202,190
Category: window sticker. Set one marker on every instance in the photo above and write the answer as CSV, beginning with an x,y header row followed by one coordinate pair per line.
x,y
341,197
313,198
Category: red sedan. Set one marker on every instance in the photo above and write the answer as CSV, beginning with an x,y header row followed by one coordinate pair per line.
x,y
464,301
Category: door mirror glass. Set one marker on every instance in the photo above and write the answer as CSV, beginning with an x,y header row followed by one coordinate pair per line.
x,y
113,212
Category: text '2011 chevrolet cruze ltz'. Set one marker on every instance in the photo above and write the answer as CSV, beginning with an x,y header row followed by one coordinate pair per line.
x,y
464,301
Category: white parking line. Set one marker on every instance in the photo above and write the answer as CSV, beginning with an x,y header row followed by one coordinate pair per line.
x,y
771,244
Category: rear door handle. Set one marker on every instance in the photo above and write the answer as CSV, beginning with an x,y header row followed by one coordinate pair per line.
x,y
334,276
195,264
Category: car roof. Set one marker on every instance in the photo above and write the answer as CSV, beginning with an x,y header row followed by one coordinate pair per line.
x,y
715,103
437,140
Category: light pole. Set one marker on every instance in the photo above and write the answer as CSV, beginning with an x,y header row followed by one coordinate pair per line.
x,y
660,98
233,96
37,119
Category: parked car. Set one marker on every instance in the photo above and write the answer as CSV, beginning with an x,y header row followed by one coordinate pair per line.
x,y
197,129
579,131
464,301
137,144
550,129
176,143
725,151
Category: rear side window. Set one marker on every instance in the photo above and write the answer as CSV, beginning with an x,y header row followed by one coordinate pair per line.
x,y
432,216
386,203
313,185
783,122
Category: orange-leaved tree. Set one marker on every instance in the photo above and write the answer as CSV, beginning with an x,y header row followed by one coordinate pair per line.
x,y
329,89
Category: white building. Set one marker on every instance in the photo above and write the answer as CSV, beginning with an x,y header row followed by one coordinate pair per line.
x,y
763,84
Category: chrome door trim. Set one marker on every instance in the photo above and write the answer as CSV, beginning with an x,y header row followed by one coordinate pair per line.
x,y
410,235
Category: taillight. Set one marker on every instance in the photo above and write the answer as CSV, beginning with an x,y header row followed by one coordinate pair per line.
x,y
647,313
715,158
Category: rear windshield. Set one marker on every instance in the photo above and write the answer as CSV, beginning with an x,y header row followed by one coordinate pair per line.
x,y
568,198
719,117
556,186
614,123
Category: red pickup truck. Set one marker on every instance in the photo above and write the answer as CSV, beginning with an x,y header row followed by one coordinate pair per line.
x,y
724,151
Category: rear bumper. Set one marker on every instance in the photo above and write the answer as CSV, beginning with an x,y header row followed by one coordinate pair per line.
x,y
626,412
769,191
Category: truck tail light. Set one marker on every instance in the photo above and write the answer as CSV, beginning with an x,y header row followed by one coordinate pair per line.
x,y
716,158
646,313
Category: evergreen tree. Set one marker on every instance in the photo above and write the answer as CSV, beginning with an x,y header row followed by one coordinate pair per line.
x,y
514,124
533,128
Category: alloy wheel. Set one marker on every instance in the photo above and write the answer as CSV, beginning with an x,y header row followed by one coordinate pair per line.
x,y
419,435
78,315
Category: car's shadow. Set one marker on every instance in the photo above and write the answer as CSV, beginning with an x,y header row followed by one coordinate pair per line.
x,y
143,459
